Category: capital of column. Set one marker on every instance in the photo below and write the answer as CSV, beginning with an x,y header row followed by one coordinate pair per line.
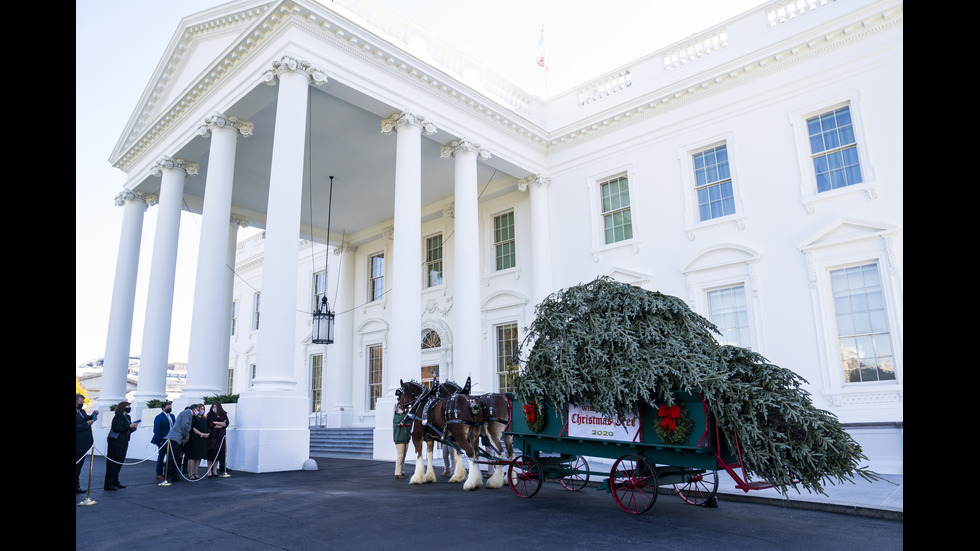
x,y
449,211
240,220
536,180
389,232
220,120
404,119
288,64
344,247
454,146
127,196
171,163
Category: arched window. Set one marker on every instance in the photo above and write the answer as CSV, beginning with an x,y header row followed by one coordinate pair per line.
x,y
431,340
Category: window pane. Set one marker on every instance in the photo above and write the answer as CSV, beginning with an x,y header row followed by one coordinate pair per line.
x,y
727,310
862,324
832,145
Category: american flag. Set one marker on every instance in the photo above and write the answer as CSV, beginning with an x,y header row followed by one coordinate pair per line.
x,y
541,50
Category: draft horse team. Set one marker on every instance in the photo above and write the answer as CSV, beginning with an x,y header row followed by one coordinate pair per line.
x,y
447,413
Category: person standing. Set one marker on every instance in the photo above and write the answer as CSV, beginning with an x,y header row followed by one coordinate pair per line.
x,y
162,423
401,436
217,424
117,444
83,437
176,439
197,444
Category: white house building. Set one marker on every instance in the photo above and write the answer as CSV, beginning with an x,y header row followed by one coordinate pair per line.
x,y
755,170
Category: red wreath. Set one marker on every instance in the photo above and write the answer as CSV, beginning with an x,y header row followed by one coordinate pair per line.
x,y
534,421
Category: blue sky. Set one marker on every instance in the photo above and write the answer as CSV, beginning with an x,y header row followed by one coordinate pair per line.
x,y
118,44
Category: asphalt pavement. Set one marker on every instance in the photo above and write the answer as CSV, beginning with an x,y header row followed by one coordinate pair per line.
x,y
359,504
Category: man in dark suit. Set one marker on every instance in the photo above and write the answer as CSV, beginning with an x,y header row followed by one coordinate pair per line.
x,y
162,423
83,437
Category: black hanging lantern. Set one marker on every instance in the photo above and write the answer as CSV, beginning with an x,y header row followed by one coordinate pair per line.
x,y
323,318
323,323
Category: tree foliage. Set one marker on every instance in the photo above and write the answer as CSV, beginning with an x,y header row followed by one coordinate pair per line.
x,y
613,346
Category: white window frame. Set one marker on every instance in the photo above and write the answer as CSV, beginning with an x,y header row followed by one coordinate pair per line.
x,y
809,195
255,310
852,243
370,276
595,182
313,288
692,217
368,406
496,342
501,308
723,266
745,295
492,239
426,280
316,382
234,317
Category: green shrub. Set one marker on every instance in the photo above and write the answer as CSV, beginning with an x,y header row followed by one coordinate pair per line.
x,y
221,399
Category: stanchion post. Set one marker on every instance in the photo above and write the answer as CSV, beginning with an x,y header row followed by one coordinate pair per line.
x,y
88,499
166,466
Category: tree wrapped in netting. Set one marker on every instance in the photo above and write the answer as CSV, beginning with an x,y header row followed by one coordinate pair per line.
x,y
612,345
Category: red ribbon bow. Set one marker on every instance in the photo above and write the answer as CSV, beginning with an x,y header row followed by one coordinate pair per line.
x,y
530,412
669,416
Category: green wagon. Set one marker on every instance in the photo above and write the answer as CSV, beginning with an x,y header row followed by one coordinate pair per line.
x,y
677,447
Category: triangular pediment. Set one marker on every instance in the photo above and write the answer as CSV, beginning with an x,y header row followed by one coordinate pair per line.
x,y
198,43
847,231
625,275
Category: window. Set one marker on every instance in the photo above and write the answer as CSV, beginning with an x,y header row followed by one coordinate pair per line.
x,y
862,324
316,381
616,217
231,380
319,288
506,361
833,149
374,374
255,313
503,241
377,283
713,183
251,374
433,260
431,340
234,317
728,311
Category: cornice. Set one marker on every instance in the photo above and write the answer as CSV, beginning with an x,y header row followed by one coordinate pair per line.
x,y
685,93
347,35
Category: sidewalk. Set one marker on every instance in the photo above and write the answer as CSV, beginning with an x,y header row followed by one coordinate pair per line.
x,y
880,499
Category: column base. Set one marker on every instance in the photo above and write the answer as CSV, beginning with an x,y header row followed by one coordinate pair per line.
x,y
272,433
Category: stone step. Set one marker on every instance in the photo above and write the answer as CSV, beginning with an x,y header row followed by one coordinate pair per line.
x,y
355,443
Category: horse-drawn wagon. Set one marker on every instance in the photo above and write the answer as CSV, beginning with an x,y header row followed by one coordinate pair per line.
x,y
677,446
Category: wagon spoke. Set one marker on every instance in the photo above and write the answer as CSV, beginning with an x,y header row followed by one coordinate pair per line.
x,y
634,484
700,489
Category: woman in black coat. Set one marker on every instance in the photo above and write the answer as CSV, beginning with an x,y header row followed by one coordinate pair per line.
x,y
197,445
117,443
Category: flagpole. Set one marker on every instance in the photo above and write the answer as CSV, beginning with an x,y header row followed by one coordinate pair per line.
x,y
541,61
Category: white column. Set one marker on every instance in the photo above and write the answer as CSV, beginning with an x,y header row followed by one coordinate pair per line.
x,y
163,270
236,222
273,422
467,341
541,276
208,316
339,363
404,357
116,361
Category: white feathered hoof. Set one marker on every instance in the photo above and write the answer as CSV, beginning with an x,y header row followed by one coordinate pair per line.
x,y
474,480
497,480
418,477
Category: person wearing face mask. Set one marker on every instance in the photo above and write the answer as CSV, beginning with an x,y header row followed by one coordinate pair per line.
x,y
117,444
177,439
217,424
197,444
162,423
83,437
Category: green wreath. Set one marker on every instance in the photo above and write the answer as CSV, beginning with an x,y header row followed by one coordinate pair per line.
x,y
534,416
675,426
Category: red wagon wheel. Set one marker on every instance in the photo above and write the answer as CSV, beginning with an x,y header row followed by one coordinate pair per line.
x,y
700,489
575,481
634,484
525,476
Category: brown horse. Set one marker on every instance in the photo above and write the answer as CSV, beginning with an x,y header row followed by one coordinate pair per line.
x,y
496,410
457,417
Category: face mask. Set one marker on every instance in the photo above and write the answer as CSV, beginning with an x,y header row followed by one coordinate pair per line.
x,y
127,410
79,406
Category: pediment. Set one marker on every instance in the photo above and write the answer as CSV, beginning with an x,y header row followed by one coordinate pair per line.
x,y
625,275
847,231
721,255
196,46
503,299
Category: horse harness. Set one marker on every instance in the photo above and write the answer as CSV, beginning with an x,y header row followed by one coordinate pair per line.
x,y
426,401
